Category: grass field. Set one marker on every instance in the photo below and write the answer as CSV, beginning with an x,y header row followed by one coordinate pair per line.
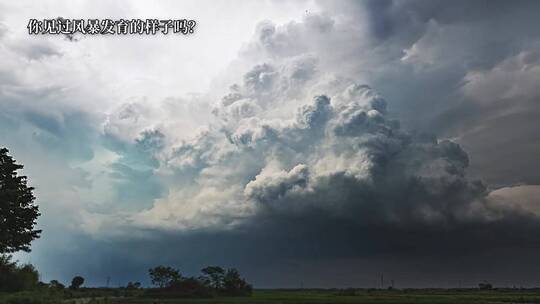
x,y
469,296
380,297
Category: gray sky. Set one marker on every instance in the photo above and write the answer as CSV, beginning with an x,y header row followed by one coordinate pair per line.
x,y
321,142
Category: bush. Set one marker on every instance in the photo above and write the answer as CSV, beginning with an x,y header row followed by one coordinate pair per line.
x,y
16,278
185,288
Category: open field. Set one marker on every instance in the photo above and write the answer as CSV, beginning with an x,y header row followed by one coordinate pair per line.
x,y
362,296
379,297
432,296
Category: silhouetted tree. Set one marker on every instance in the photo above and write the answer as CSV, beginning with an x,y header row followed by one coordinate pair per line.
x,y
234,285
214,281
213,276
18,213
76,282
162,276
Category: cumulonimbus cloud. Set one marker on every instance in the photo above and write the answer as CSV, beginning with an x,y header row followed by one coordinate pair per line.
x,y
337,156
299,153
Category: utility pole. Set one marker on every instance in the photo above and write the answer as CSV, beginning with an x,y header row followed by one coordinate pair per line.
x,y
382,281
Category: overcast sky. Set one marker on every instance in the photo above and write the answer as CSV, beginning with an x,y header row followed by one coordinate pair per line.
x,y
314,143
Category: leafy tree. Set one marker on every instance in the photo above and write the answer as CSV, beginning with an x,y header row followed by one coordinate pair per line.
x,y
18,213
76,282
234,285
164,276
213,276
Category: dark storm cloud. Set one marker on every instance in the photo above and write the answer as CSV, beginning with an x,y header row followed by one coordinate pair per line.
x,y
341,179
305,165
426,53
277,252
338,180
405,21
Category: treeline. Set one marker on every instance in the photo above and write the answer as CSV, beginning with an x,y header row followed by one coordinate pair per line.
x,y
15,277
167,282
213,281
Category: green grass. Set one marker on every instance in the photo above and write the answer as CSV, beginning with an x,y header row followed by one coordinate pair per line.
x,y
292,297
361,297
67,296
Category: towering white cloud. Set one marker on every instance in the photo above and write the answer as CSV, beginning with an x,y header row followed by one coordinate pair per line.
x,y
296,151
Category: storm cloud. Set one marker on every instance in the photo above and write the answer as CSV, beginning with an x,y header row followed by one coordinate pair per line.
x,y
384,136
